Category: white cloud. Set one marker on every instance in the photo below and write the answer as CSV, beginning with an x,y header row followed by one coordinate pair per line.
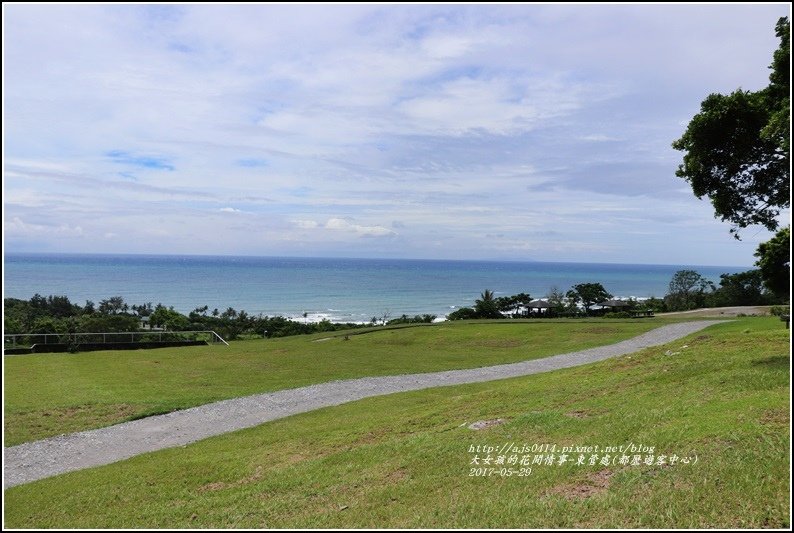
x,y
306,224
458,121
18,228
499,106
346,225
599,137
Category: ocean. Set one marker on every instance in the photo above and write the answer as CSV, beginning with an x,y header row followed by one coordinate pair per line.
x,y
340,290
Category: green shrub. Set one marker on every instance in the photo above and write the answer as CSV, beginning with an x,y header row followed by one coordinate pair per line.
x,y
463,313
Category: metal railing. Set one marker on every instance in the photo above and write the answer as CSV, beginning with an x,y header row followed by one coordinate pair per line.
x,y
21,340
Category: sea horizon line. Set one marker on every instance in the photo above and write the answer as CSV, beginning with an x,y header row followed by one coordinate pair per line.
x,y
349,258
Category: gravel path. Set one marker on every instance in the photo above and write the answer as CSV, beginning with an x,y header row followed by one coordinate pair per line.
x,y
40,459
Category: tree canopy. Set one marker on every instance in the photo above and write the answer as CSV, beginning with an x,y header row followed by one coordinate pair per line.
x,y
589,294
774,261
687,290
737,148
486,306
743,288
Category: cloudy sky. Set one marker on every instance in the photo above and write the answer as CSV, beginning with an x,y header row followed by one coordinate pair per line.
x,y
518,132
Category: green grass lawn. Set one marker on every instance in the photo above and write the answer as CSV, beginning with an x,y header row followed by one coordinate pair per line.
x,y
403,461
50,394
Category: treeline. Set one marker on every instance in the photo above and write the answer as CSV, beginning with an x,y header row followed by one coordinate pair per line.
x,y
687,290
578,301
56,314
404,319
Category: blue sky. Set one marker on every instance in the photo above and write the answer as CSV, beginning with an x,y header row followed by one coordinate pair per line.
x,y
516,132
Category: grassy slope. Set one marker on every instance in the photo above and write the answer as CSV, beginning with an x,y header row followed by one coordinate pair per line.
x,y
95,389
402,461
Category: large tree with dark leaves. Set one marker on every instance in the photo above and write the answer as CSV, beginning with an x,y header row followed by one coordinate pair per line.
x,y
688,290
589,294
774,260
737,148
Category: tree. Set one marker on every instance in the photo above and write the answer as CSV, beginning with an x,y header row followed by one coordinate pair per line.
x,y
464,313
744,288
486,306
60,306
589,294
142,310
97,322
556,299
687,290
737,148
774,257
113,306
168,318
509,304
522,298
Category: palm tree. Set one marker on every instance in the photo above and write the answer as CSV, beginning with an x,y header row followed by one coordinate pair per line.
x,y
486,306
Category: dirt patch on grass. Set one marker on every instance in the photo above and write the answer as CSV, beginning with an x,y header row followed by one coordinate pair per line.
x,y
629,361
655,470
595,483
585,413
485,424
297,458
779,416
209,487
220,485
396,476
715,443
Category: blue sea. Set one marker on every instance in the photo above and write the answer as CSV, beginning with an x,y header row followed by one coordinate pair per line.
x,y
340,290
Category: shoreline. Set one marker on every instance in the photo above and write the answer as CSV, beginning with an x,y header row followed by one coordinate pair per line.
x,y
337,290
317,317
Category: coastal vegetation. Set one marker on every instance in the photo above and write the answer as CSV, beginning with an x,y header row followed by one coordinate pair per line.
x,y
56,314
588,294
688,290
774,262
404,461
